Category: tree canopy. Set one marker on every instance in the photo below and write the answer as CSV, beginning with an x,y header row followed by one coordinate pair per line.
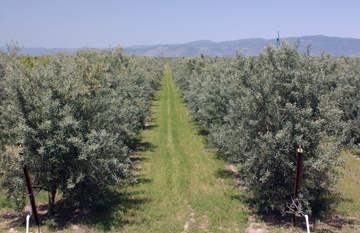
x,y
77,118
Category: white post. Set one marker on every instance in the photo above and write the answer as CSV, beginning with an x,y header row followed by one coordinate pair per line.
x,y
307,224
27,223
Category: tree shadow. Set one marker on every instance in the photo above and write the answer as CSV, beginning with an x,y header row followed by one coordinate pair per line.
x,y
147,146
115,212
317,223
150,127
218,156
184,101
155,98
326,220
224,173
14,219
144,181
158,89
152,118
202,132
142,146
138,159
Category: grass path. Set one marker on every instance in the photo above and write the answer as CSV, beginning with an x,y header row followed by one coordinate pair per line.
x,y
184,188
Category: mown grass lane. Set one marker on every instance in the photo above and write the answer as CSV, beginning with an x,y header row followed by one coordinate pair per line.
x,y
183,187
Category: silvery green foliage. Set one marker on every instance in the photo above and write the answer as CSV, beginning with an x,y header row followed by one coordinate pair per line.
x,y
347,97
13,50
259,110
77,118
204,83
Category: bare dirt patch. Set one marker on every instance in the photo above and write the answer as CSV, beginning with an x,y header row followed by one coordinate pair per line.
x,y
234,172
12,230
192,219
355,156
232,169
254,227
12,219
204,221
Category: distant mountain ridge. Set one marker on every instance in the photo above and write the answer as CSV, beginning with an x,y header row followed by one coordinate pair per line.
x,y
334,46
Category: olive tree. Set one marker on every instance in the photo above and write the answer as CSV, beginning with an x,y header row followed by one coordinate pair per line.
x,y
266,106
76,118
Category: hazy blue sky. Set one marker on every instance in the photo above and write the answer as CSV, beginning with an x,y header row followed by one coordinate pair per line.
x,y
72,24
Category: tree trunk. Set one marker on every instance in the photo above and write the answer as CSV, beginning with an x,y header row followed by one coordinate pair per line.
x,y
51,206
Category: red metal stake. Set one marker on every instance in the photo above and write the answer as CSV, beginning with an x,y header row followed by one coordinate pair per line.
x,y
297,178
32,199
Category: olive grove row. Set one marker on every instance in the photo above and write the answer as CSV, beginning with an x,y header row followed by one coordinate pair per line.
x,y
73,119
259,109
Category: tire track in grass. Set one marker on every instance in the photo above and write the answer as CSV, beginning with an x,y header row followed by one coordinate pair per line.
x,y
185,189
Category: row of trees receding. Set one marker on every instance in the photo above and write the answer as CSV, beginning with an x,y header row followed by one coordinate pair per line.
x,y
260,109
76,117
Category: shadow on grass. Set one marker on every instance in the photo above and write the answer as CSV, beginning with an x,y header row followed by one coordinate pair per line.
x,y
155,97
147,146
323,218
150,127
224,173
317,223
184,101
219,156
158,89
138,145
202,132
144,181
138,159
115,212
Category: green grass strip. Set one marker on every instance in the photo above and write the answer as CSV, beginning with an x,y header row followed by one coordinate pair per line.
x,y
182,187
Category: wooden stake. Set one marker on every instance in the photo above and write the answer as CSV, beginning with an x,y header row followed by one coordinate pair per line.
x,y
297,178
32,199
